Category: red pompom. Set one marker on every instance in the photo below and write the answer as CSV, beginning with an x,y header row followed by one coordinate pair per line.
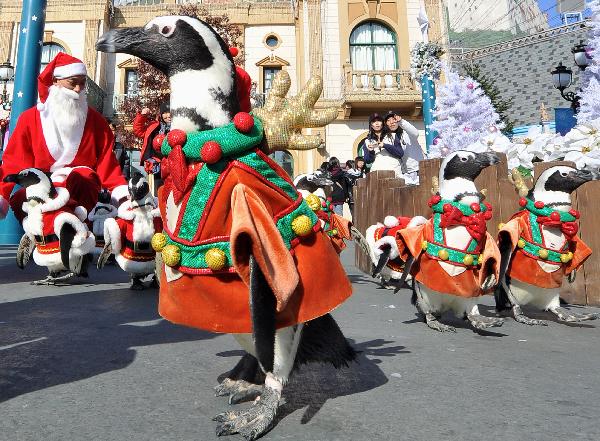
x,y
475,207
488,206
574,213
555,216
234,51
324,204
176,137
243,122
522,202
447,207
158,141
330,199
539,205
487,215
211,152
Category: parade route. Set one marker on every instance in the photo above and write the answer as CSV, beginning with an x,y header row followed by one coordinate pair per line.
x,y
94,361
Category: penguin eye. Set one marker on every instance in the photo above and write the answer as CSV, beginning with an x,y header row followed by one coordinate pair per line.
x,y
166,30
463,159
564,174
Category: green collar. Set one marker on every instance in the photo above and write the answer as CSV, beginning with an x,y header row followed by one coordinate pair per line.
x,y
539,209
437,205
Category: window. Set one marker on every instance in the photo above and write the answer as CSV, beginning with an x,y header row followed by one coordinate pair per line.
x,y
285,160
131,82
49,51
268,76
373,47
272,41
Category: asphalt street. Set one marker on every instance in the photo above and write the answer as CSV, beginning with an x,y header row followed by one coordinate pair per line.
x,y
94,361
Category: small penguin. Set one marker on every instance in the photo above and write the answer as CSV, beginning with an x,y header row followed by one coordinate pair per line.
x,y
129,236
540,245
103,210
452,258
55,230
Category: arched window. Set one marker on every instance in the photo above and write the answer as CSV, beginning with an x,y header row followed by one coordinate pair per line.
x,y
49,51
285,160
373,47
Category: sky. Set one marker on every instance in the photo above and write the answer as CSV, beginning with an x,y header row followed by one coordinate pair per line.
x,y
553,16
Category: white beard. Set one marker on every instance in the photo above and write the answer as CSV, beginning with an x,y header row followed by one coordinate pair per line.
x,y
68,108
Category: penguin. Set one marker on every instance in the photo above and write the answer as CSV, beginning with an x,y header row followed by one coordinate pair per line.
x,y
103,210
129,236
452,258
55,231
539,245
204,97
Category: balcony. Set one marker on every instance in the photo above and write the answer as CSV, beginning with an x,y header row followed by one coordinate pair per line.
x,y
367,91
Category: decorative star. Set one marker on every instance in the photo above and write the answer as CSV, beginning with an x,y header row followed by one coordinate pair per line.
x,y
24,30
20,94
41,43
34,17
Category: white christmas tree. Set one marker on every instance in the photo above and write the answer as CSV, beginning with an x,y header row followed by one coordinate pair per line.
x,y
589,112
464,115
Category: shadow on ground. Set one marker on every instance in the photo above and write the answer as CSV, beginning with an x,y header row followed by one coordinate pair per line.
x,y
55,340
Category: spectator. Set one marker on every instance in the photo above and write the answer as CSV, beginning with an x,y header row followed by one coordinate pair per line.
x,y
120,152
341,186
374,140
359,164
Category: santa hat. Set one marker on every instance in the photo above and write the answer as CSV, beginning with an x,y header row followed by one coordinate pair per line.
x,y
62,66
244,84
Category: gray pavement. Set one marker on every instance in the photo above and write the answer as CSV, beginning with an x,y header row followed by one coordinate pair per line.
x,y
94,361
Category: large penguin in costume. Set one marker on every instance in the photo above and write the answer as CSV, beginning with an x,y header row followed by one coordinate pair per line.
x,y
243,252
540,245
452,257
54,229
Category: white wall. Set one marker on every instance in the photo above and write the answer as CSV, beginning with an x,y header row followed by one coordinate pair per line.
x,y
256,50
412,12
72,33
332,65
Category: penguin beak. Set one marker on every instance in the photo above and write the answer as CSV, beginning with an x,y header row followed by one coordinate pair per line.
x,y
583,176
486,159
12,178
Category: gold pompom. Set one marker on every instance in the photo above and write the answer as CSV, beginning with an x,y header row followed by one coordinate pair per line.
x,y
443,254
565,258
424,245
302,225
501,225
313,202
159,241
468,259
543,253
334,232
521,243
215,259
171,255
527,141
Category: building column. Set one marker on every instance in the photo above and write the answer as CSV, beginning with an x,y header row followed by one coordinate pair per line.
x,y
90,54
6,35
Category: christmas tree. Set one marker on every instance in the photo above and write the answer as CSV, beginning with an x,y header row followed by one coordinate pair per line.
x,y
489,87
589,112
464,115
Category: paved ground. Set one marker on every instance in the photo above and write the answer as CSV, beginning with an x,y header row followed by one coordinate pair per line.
x,y
95,362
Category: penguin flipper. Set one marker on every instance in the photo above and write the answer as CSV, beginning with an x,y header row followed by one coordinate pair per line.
x,y
262,308
26,246
66,235
104,255
502,293
383,260
360,240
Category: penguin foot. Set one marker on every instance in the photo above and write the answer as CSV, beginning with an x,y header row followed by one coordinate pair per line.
x,y
154,282
567,316
254,422
238,390
521,318
479,321
434,324
136,284
53,278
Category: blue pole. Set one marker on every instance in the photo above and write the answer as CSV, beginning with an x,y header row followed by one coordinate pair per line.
x,y
428,93
29,55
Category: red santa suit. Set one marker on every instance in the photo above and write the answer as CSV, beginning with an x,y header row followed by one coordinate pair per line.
x,y
82,161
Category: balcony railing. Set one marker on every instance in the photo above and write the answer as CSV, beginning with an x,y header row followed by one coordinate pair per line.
x,y
378,84
95,95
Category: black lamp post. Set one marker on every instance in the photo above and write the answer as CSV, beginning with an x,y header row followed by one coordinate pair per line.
x,y
7,73
562,76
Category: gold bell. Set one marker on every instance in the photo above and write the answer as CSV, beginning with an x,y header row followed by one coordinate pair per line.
x,y
159,241
521,243
302,225
334,232
424,245
313,202
565,258
468,259
171,255
215,259
543,253
443,254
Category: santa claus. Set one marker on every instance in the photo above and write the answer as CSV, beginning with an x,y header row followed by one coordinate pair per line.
x,y
64,137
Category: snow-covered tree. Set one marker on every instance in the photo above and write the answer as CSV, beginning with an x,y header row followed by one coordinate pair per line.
x,y
464,115
589,112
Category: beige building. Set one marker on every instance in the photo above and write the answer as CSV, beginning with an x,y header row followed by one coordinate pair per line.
x,y
361,48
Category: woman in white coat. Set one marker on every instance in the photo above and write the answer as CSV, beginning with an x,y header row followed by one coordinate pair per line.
x,y
399,151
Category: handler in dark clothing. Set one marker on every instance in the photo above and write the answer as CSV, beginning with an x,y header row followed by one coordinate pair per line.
x,y
341,186
121,153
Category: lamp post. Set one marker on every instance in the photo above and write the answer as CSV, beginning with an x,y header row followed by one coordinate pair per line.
x,y
562,76
7,73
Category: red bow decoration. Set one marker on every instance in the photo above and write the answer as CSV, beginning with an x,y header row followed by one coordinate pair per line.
x,y
569,229
475,224
181,175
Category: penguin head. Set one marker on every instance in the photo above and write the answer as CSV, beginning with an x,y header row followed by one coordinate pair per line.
x,y
458,172
139,190
38,186
104,197
555,185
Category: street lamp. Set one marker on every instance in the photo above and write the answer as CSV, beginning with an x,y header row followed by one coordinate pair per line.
x,y
580,55
7,73
562,76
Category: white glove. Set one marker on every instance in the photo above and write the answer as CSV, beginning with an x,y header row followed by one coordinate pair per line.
x,y
3,207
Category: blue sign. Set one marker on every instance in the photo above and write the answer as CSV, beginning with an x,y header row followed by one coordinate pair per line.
x,y
565,120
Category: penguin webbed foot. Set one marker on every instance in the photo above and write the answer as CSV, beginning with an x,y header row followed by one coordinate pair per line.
x,y
53,278
564,315
522,318
24,251
433,323
254,422
136,284
238,390
479,321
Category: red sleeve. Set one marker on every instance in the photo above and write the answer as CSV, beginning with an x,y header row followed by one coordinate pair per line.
x,y
107,167
18,154
140,124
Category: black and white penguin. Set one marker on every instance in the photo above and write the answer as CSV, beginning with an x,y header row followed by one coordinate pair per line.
x,y
55,230
202,77
539,246
313,182
103,210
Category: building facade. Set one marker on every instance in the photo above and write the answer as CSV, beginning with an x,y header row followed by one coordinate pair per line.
x,y
361,49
